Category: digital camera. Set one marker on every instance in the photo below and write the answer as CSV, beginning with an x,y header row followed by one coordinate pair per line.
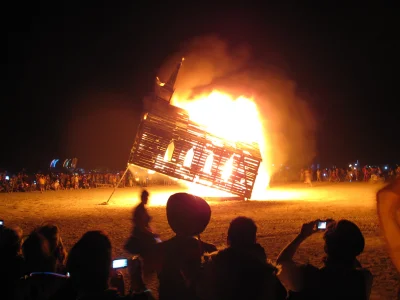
x,y
321,225
120,263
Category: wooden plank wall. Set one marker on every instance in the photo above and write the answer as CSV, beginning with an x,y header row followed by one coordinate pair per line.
x,y
164,124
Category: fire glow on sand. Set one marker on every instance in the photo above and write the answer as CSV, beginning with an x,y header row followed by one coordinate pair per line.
x,y
212,140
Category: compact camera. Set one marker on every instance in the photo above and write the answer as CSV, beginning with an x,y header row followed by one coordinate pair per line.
x,y
120,263
321,225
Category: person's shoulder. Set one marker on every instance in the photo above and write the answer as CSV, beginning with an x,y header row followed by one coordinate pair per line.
x,y
208,248
364,271
140,205
309,267
309,270
222,254
139,208
146,295
49,279
366,274
47,284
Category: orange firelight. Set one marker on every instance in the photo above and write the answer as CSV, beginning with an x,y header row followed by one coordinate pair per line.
x,y
236,120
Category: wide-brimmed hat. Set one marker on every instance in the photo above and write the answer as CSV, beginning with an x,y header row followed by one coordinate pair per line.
x,y
187,215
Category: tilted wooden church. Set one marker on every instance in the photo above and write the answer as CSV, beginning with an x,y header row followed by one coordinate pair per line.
x,y
168,142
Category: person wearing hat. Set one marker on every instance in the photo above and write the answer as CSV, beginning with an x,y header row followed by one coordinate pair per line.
x,y
178,260
341,277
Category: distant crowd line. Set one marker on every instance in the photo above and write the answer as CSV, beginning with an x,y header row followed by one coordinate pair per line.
x,y
352,173
24,182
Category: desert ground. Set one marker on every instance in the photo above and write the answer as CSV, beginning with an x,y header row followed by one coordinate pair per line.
x,y
279,219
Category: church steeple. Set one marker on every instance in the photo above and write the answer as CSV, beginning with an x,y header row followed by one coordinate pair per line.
x,y
166,90
172,79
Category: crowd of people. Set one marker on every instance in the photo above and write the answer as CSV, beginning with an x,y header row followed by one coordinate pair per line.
x,y
24,182
351,173
39,267
54,181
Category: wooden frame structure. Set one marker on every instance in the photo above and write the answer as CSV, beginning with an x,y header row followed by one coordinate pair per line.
x,y
168,142
165,125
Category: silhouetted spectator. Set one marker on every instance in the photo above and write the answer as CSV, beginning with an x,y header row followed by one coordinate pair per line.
x,y
342,276
241,271
40,282
11,261
143,238
37,255
89,264
52,234
179,258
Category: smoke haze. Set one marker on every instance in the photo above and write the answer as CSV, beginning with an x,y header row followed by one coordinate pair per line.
x,y
211,63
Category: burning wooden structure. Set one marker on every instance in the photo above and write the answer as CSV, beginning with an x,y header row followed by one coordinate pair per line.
x,y
168,142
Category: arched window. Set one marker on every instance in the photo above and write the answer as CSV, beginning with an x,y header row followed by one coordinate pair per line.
x,y
170,151
228,168
208,164
188,158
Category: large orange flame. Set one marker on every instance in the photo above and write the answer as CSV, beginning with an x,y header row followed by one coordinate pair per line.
x,y
233,119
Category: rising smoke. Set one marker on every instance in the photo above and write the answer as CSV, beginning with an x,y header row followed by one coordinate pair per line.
x,y
211,63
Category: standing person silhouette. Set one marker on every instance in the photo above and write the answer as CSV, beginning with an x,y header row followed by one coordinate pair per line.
x,y
143,238
141,225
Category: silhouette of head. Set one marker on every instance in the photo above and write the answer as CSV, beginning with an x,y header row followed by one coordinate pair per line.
x,y
36,251
187,215
242,232
144,197
51,233
89,261
10,242
343,242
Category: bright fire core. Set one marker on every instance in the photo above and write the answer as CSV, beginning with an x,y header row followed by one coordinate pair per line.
x,y
236,120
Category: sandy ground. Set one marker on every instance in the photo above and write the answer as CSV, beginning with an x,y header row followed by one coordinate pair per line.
x,y
278,219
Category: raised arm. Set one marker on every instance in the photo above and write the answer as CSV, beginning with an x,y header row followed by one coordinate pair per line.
x,y
288,252
290,273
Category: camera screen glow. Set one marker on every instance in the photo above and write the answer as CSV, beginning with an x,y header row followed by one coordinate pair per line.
x,y
321,225
120,263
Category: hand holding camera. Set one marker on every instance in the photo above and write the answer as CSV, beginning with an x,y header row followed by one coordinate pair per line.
x,y
135,272
117,279
314,226
134,267
308,229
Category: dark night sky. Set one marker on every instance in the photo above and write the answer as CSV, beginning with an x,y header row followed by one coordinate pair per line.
x,y
76,75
